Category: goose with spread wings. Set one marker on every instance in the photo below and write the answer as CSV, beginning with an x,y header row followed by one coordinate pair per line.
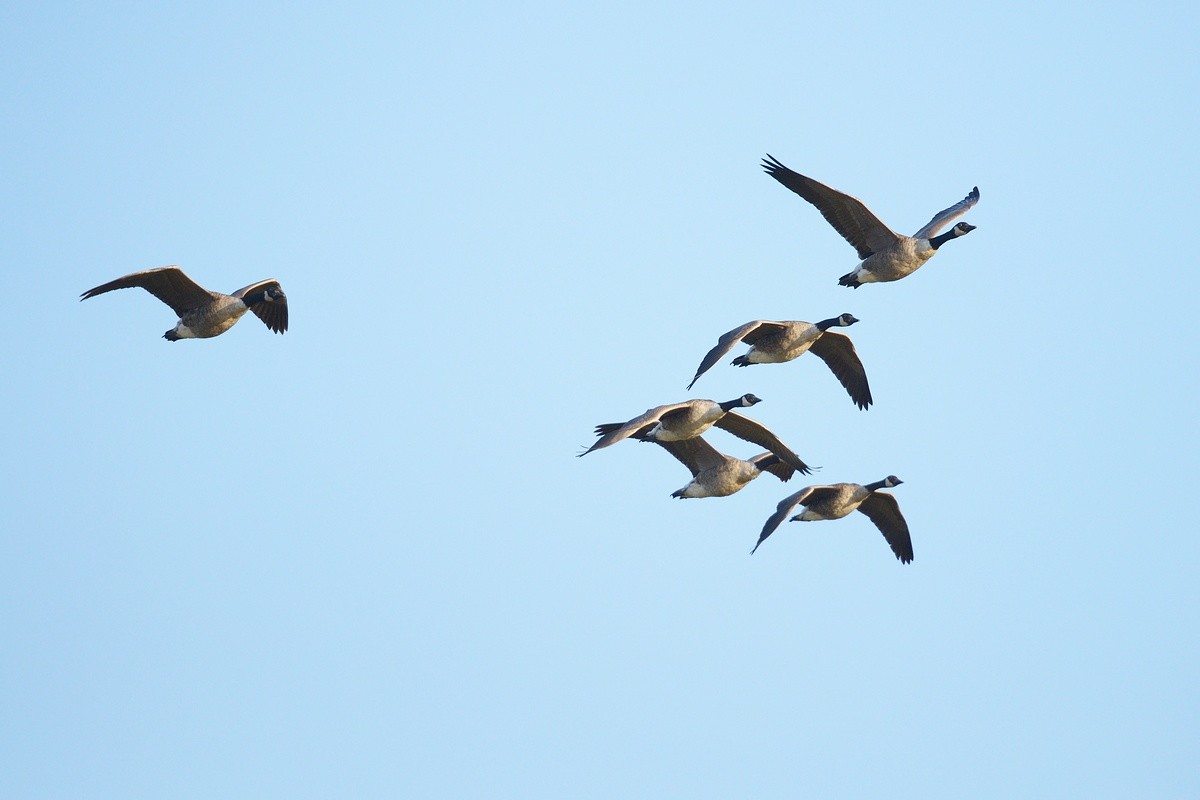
x,y
776,342
680,421
885,255
203,313
839,499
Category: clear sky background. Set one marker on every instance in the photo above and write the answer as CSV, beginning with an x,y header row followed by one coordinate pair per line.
x,y
361,559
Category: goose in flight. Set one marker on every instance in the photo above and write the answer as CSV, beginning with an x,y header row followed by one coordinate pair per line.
x,y
776,342
204,314
839,499
715,474
886,255
681,421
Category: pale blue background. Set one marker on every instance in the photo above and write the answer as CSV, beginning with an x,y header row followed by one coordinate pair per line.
x,y
360,560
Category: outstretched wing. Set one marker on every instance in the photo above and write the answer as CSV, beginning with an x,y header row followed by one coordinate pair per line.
x,y
754,431
168,284
948,215
884,511
750,332
273,313
848,215
838,353
613,432
781,511
695,454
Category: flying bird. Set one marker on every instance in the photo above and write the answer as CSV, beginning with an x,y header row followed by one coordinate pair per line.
x,y
715,474
776,342
204,314
686,420
839,499
886,255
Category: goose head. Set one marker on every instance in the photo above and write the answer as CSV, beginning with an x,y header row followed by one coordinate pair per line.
x,y
842,321
890,481
745,401
961,229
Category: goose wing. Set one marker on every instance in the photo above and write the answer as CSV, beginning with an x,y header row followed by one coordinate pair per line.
x,y
781,511
838,353
613,432
948,215
884,511
695,454
750,332
769,462
168,284
848,215
754,431
274,314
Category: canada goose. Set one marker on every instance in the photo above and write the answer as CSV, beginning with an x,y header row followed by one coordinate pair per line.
x,y
839,499
204,314
776,342
886,255
678,421
715,474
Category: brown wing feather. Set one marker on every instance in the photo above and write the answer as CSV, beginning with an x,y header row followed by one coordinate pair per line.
x,y
168,284
838,353
695,453
754,431
848,215
884,511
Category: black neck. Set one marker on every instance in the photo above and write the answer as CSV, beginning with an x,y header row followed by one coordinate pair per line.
x,y
826,324
942,238
255,298
729,405
870,487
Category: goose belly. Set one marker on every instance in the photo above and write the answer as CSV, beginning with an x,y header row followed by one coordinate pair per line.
x,y
894,263
823,513
724,480
785,346
699,418
846,500
211,321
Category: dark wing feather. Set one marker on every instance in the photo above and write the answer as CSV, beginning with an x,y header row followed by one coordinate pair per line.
x,y
848,215
948,215
754,431
884,511
769,462
168,284
613,432
781,511
273,313
695,454
750,332
838,353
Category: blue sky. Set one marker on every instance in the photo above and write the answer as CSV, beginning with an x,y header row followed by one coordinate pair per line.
x,y
361,559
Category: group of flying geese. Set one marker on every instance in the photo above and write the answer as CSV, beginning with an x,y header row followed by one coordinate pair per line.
x,y
678,427
885,256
